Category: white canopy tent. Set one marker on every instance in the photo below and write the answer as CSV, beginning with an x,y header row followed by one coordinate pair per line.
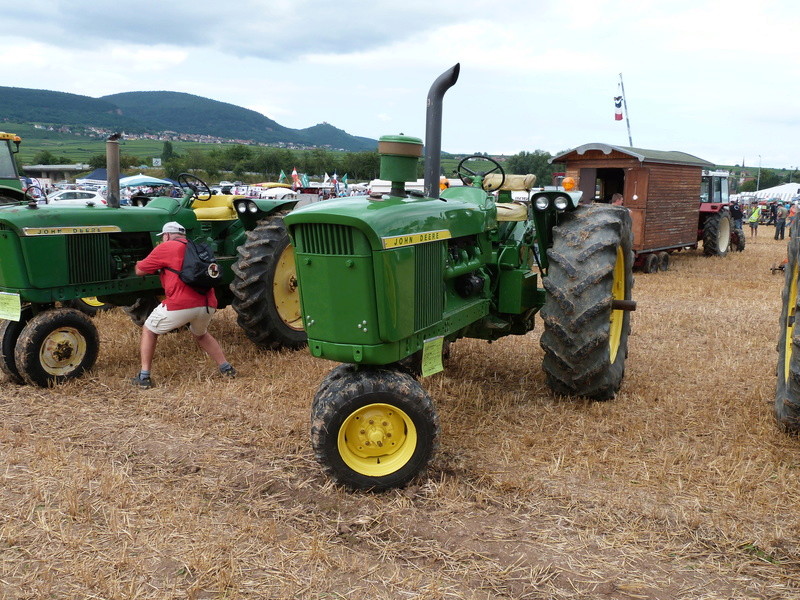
x,y
784,192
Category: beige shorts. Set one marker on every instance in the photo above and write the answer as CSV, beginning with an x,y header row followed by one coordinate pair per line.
x,y
163,321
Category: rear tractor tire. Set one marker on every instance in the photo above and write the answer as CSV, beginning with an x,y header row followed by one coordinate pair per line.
x,y
787,392
89,305
373,428
265,294
141,309
56,345
737,239
585,338
717,233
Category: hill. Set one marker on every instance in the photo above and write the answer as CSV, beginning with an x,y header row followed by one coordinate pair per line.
x,y
156,112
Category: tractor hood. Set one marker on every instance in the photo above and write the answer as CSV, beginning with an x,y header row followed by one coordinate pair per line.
x,y
55,220
390,221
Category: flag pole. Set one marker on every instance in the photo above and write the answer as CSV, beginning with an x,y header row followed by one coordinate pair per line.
x,y
625,104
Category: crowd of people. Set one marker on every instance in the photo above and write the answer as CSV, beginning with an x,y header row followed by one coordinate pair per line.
x,y
779,213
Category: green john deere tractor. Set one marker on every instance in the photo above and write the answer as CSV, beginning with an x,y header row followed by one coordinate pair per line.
x,y
52,256
387,281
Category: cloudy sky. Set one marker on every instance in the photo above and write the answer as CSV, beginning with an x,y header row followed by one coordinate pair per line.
x,y
718,79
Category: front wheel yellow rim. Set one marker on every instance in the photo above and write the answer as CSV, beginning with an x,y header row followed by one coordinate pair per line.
x,y
791,305
377,440
285,292
62,351
617,316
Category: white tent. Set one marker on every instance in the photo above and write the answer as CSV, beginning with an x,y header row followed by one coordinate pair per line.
x,y
784,192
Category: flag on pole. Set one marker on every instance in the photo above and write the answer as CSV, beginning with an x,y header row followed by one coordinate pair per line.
x,y
304,180
326,179
295,179
335,180
618,108
282,177
344,181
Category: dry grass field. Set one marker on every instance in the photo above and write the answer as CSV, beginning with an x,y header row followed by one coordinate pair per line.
x,y
680,488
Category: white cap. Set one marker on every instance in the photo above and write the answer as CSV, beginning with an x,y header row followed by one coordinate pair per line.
x,y
172,227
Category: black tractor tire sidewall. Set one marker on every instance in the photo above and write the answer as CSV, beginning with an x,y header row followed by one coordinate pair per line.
x,y
36,331
577,311
347,390
712,229
252,287
141,309
787,389
86,308
663,261
738,240
9,334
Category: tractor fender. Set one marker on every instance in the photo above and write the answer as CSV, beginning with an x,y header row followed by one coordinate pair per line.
x,y
264,208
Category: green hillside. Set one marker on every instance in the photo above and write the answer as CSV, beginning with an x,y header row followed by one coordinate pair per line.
x,y
156,112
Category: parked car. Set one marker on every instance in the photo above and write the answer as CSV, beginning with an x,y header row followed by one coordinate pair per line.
x,y
76,197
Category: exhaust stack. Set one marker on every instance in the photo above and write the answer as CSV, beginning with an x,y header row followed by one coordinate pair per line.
x,y
433,129
112,169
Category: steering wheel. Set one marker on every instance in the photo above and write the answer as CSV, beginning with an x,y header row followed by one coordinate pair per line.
x,y
34,193
200,189
467,175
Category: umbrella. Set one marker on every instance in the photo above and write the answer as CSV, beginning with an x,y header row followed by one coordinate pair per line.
x,y
140,179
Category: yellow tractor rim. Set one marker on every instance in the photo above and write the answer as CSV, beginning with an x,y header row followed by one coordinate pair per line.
x,y
92,301
377,440
284,290
617,316
63,351
791,307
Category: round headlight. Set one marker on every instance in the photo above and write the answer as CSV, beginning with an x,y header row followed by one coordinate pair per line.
x,y
251,206
561,202
241,207
542,203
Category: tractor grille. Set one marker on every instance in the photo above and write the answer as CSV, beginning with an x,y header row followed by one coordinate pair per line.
x,y
89,258
324,238
429,284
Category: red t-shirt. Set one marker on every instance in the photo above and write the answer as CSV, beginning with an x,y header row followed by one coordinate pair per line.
x,y
179,295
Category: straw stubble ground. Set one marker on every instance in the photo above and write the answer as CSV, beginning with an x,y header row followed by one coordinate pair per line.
x,y
681,487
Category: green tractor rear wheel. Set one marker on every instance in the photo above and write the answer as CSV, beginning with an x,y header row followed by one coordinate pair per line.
x,y
787,393
585,337
265,294
56,345
89,305
141,309
373,428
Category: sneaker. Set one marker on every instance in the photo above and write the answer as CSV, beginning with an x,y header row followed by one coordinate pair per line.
x,y
228,371
142,382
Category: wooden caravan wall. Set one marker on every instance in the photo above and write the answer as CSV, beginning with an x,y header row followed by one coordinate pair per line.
x,y
666,213
673,205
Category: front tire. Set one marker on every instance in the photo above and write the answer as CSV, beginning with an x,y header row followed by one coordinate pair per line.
x,y
787,392
738,239
717,233
9,334
373,428
585,340
55,346
265,294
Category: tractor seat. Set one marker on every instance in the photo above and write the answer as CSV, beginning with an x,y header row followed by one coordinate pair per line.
x,y
512,211
513,183
217,208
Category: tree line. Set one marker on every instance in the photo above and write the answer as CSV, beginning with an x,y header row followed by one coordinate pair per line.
x,y
266,164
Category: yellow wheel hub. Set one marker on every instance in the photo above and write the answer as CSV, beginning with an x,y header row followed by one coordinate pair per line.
x,y
377,440
617,316
791,302
284,290
62,351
